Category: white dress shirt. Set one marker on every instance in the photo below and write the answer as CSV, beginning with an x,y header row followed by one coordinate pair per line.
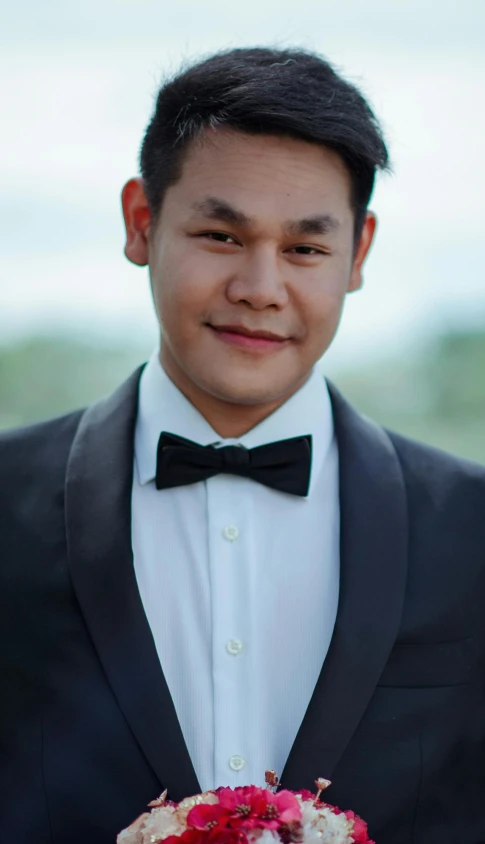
x,y
239,583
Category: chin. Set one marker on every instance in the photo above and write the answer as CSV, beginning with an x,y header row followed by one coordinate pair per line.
x,y
249,393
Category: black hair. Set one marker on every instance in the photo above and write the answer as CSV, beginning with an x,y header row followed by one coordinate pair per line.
x,y
263,91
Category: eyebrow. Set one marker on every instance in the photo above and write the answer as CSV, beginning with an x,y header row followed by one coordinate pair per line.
x,y
317,224
218,209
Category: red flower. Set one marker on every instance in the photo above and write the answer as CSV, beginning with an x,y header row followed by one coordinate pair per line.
x,y
252,807
205,816
307,795
215,835
190,836
359,832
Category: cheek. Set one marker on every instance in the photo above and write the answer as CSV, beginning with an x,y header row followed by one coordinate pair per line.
x,y
324,301
184,295
185,277
321,309
174,285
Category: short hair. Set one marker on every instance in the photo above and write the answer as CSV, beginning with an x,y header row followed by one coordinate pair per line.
x,y
265,91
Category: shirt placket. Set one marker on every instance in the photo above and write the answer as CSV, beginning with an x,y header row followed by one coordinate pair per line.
x,y
228,541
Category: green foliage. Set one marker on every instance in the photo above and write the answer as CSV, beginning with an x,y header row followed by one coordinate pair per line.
x,y
438,396
41,377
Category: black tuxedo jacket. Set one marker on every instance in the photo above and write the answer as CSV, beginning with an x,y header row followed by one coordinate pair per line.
x,y
88,730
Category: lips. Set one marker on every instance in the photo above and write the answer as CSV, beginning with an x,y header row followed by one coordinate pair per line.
x,y
238,335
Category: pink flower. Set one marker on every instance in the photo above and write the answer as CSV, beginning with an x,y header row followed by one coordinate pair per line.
x,y
253,807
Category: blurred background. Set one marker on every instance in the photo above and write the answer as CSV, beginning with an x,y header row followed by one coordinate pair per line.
x,y
77,83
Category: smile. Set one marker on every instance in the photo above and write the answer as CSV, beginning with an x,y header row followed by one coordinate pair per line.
x,y
251,340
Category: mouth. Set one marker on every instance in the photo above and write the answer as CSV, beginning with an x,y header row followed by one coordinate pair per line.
x,y
244,338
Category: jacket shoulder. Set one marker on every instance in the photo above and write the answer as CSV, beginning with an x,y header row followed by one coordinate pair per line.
x,y
428,457
440,476
37,448
422,465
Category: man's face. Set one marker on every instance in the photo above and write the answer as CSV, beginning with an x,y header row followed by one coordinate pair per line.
x,y
250,261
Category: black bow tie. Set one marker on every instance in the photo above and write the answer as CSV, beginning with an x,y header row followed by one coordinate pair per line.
x,y
283,465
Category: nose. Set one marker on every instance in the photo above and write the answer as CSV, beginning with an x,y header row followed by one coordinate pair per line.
x,y
259,281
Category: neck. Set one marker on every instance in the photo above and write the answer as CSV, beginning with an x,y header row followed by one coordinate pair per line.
x,y
230,420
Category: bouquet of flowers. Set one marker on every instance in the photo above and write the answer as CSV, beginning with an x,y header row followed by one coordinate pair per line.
x,y
245,816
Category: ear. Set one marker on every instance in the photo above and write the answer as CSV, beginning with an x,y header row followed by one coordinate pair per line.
x,y
363,246
136,214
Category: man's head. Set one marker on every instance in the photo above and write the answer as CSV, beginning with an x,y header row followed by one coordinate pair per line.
x,y
257,169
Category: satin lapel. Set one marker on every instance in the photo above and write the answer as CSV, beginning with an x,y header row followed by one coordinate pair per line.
x,y
98,523
373,549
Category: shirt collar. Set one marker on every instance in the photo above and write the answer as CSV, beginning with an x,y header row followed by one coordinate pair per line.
x,y
162,407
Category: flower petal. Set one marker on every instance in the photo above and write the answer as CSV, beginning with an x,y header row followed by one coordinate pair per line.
x,y
207,813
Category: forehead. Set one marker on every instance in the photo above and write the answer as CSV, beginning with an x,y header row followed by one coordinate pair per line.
x,y
263,174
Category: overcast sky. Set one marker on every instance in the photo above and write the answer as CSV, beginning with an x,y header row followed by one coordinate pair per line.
x,y
77,82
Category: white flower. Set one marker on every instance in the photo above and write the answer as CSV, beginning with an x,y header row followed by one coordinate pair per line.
x,y
322,826
152,828
309,814
132,834
336,829
160,824
263,836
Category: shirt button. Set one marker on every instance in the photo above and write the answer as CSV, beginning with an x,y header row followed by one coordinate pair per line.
x,y
234,647
237,763
230,533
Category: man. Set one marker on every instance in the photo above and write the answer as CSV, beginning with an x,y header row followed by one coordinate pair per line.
x,y
223,567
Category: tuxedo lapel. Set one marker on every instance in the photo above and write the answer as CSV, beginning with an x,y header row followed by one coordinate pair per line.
x,y
373,553
372,580
98,524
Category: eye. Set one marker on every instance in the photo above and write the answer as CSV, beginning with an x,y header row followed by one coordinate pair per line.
x,y
220,237
307,250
